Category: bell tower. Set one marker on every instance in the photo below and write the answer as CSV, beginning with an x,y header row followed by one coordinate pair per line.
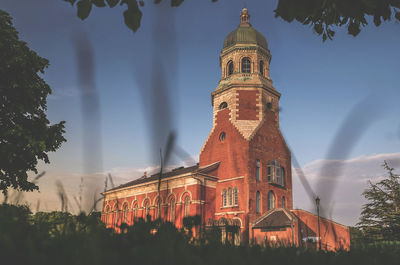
x,y
255,164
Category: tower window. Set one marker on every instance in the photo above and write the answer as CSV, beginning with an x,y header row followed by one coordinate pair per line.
x,y
222,136
257,170
223,105
271,200
276,173
283,202
235,196
262,67
246,65
230,196
224,203
257,202
230,68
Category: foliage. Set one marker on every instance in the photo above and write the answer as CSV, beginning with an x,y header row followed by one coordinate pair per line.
x,y
83,239
322,15
25,135
380,217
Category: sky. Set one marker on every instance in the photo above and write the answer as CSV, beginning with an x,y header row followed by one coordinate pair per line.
x,y
321,83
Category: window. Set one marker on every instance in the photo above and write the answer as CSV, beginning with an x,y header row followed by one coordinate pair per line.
x,y
246,65
230,68
172,210
135,212
147,209
186,206
269,173
257,202
262,67
257,169
115,216
158,209
107,215
230,196
235,196
283,202
222,136
223,105
271,200
276,173
224,201
125,220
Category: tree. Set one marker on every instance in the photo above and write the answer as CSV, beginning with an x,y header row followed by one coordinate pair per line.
x,y
321,14
380,217
26,135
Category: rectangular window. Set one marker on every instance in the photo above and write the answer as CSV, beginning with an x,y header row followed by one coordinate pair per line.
x,y
235,196
269,173
278,175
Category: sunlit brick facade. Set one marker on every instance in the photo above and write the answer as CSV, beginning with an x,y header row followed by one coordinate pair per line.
x,y
244,170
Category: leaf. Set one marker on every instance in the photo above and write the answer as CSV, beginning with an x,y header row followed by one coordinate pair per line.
x,y
132,16
112,3
397,16
72,2
176,2
99,3
324,37
84,8
318,28
354,28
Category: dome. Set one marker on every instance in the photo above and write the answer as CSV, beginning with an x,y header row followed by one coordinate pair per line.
x,y
245,33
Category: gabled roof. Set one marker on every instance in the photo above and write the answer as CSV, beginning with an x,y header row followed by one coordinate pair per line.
x,y
175,172
276,218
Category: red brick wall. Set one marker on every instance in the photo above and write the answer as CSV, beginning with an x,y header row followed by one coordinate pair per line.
x,y
248,109
333,235
267,145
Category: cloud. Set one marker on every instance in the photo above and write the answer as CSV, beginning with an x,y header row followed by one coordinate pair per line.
x,y
346,185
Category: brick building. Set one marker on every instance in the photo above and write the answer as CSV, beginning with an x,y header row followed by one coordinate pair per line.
x,y
243,179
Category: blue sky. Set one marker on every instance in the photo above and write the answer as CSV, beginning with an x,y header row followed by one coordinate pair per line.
x,y
320,82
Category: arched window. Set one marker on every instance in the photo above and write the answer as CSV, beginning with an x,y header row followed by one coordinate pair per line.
x,y
257,169
283,202
230,196
158,209
146,209
186,206
115,216
235,196
107,215
125,213
262,67
257,202
222,136
246,65
230,68
224,198
223,105
271,200
172,210
135,212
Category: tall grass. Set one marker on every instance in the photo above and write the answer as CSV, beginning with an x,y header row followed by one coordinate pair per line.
x,y
62,238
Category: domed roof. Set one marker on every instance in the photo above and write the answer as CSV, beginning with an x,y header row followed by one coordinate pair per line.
x,y
245,33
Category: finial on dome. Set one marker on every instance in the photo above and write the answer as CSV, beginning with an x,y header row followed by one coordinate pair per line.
x,y
244,17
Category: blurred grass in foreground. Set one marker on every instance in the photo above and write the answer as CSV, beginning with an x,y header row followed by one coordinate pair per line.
x,y
62,238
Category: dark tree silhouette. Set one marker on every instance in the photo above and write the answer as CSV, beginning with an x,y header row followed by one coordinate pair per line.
x,y
26,135
380,217
322,15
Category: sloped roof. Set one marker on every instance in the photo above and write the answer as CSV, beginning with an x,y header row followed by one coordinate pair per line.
x,y
278,217
175,172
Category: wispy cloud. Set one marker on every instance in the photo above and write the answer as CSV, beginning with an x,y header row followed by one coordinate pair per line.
x,y
353,180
